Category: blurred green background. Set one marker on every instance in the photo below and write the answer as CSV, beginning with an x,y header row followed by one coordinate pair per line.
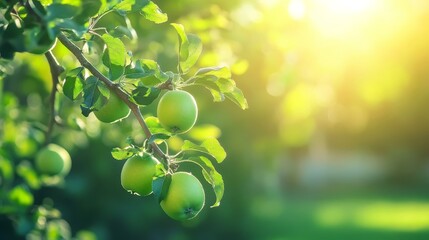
x,y
334,145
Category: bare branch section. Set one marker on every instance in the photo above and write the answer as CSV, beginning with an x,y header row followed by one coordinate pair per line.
x,y
56,70
77,52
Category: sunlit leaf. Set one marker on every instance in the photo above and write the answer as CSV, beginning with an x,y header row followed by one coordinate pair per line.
x,y
156,77
190,48
237,97
226,85
195,48
148,9
218,72
25,171
209,148
123,153
155,126
20,196
204,131
153,13
214,148
6,169
158,137
116,53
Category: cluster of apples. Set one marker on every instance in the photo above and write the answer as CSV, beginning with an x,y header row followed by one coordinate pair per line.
x,y
177,112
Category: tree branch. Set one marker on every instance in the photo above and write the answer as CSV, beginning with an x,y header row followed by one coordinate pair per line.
x,y
56,70
77,52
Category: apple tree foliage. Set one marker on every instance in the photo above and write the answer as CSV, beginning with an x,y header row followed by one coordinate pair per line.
x,y
36,27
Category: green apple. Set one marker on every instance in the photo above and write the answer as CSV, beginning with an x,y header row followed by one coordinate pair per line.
x,y
138,172
114,110
185,197
177,111
53,160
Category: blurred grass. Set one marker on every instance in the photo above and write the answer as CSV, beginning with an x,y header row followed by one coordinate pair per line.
x,y
392,215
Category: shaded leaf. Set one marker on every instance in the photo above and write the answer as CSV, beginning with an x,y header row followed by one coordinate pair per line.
x,y
94,95
218,81
160,187
141,68
210,174
213,88
73,84
145,96
58,10
89,9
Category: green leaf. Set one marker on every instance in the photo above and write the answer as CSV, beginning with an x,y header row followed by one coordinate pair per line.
x,y
210,148
203,131
190,48
147,8
137,69
75,30
160,187
157,76
145,96
123,153
195,48
153,13
123,29
218,81
218,72
218,96
155,126
89,9
130,5
25,171
183,40
214,148
58,10
237,97
6,169
210,174
21,196
94,95
226,85
116,53
158,136
73,85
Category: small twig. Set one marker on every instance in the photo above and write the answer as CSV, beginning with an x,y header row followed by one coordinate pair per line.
x,y
114,87
56,70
